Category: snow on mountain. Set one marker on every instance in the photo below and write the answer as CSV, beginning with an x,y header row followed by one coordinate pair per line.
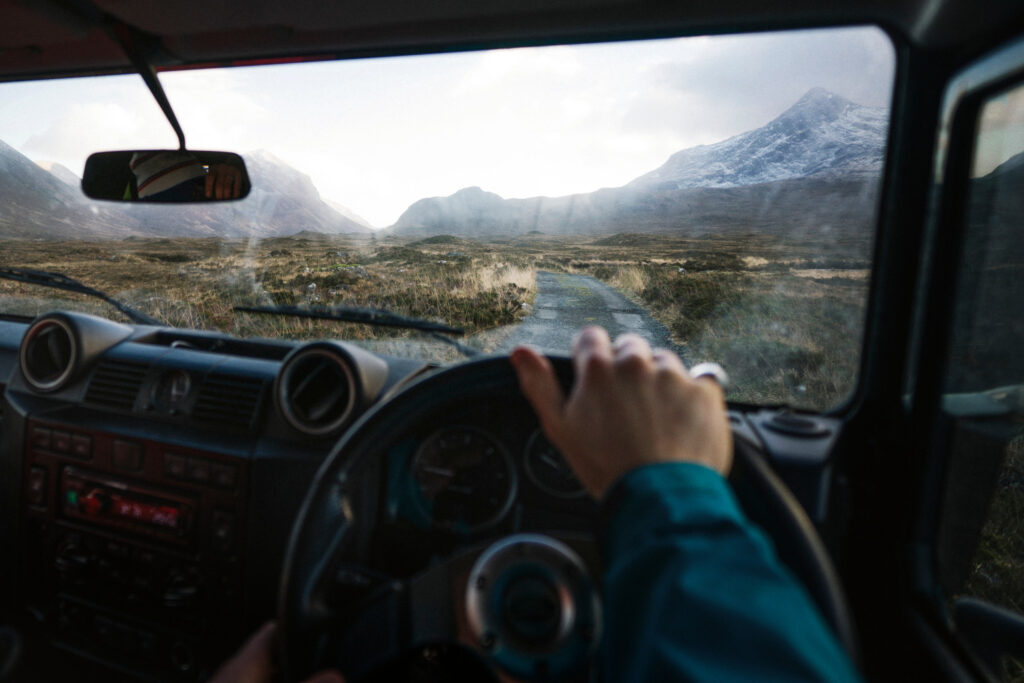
x,y
822,135
814,168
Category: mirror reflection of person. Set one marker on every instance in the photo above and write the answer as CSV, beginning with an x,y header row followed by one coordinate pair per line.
x,y
691,589
179,176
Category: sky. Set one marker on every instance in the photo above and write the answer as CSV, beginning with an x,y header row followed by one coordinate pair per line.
x,y
1000,131
375,135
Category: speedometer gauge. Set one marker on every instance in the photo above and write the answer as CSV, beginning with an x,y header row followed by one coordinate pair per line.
x,y
464,479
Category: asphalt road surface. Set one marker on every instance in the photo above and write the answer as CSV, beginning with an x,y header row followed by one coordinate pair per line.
x,y
567,302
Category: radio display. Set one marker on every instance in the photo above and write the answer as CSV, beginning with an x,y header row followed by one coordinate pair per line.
x,y
110,502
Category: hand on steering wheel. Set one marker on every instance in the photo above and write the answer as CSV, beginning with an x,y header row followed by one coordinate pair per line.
x,y
630,406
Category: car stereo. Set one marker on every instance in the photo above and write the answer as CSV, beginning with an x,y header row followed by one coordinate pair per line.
x,y
133,549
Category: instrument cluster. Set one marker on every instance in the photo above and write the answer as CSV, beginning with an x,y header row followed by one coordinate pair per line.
x,y
465,479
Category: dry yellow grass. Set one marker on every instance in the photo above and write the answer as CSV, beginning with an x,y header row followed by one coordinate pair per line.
x,y
738,300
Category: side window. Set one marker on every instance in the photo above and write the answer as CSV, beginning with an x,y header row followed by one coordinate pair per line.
x,y
980,550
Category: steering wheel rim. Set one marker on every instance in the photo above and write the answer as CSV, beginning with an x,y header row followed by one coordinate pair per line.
x,y
328,520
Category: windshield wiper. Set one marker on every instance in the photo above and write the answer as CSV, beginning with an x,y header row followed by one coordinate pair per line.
x,y
368,316
45,278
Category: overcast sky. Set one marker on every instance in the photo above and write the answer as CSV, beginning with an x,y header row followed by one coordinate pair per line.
x,y
376,135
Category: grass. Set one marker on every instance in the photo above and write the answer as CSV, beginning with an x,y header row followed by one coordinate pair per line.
x,y
997,573
784,318
997,570
787,328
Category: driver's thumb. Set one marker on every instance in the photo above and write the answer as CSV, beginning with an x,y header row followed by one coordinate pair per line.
x,y
540,386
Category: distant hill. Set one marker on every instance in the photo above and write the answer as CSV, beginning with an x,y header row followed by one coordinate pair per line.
x,y
813,169
44,200
61,172
34,203
348,213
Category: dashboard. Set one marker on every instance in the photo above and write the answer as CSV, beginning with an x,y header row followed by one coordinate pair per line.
x,y
151,478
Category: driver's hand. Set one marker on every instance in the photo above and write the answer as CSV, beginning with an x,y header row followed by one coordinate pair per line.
x,y
224,181
255,662
629,406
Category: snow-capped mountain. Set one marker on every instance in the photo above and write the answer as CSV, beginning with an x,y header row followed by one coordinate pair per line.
x,y
814,168
822,135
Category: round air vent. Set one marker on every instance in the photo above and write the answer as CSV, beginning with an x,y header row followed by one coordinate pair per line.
x,y
316,390
49,354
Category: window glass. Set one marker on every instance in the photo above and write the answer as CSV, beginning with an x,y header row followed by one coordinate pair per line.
x,y
717,195
981,545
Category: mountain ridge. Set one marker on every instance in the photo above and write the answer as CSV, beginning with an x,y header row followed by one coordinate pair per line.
x,y
44,200
822,147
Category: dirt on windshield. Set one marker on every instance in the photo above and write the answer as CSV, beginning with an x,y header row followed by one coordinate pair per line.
x,y
784,318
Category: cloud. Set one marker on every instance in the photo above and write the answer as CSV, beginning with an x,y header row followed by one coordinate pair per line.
x,y
712,88
92,127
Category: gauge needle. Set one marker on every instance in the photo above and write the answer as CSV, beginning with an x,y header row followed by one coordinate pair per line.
x,y
548,460
439,471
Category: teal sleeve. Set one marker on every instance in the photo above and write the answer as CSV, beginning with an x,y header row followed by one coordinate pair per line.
x,y
694,592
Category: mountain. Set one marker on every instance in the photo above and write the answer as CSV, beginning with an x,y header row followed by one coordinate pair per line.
x,y
34,203
285,201
61,172
812,169
348,213
822,135
44,200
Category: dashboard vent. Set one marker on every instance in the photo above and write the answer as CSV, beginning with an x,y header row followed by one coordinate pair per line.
x,y
316,390
49,354
228,400
115,384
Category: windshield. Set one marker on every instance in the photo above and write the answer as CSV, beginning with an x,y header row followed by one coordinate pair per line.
x,y
715,194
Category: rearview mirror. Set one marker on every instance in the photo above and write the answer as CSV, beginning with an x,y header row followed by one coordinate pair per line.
x,y
165,175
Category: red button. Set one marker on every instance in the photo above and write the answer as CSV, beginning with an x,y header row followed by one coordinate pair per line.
x,y
94,503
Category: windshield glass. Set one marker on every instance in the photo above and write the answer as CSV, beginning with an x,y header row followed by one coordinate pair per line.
x,y
715,194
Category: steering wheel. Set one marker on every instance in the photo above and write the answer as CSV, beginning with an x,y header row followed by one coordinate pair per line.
x,y
522,604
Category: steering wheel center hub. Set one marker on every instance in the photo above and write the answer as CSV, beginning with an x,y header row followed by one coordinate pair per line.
x,y
532,607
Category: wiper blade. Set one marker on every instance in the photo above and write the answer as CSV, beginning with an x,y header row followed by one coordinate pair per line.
x,y
367,316
45,278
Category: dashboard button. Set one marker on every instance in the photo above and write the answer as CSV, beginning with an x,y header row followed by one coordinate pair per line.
x,y
223,528
198,470
174,465
61,442
127,455
37,486
81,447
40,438
223,475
